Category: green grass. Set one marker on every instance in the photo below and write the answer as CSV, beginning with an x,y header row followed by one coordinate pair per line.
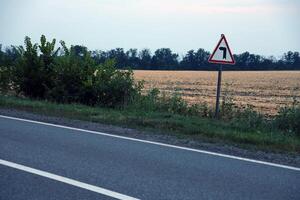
x,y
164,122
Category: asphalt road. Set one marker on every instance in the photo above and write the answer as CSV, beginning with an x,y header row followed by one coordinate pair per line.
x,y
137,169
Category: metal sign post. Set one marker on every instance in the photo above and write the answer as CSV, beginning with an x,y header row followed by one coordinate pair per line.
x,y
221,55
218,92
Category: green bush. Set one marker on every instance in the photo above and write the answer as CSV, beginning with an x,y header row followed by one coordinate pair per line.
x,y
248,119
72,70
151,100
33,73
72,76
78,79
175,104
202,110
111,87
5,79
288,119
228,108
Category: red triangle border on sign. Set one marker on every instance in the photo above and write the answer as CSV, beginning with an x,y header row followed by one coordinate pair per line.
x,y
210,60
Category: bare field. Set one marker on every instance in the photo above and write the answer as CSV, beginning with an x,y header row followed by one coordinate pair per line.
x,y
265,90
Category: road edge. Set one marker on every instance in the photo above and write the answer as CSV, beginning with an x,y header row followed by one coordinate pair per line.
x,y
155,143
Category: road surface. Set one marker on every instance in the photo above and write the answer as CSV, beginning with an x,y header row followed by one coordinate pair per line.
x,y
42,161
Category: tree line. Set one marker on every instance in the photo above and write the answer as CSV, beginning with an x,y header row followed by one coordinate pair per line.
x,y
166,59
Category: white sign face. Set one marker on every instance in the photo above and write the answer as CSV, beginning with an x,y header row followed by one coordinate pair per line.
x,y
222,53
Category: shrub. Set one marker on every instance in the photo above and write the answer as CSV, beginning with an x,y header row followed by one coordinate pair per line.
x,y
70,77
288,119
72,71
228,108
33,73
154,101
201,110
249,119
5,79
175,104
112,87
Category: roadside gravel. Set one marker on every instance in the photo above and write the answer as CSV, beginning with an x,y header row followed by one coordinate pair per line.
x,y
292,159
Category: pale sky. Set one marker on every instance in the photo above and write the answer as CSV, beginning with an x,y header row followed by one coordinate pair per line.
x,y
266,27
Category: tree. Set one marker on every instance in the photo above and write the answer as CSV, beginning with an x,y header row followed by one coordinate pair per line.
x,y
119,55
48,52
132,58
195,60
296,58
99,56
1,55
79,50
291,59
164,59
145,59
268,63
189,60
201,57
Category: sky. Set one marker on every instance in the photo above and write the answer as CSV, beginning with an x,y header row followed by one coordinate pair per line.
x,y
265,27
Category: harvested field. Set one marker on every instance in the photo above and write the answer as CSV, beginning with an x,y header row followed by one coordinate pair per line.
x,y
265,90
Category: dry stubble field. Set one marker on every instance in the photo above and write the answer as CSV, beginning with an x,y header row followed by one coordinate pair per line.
x,y
265,90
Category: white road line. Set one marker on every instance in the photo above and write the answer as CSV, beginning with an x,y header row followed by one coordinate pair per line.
x,y
157,143
67,180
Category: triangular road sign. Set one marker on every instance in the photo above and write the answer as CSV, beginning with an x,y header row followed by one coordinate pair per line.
x,y
222,53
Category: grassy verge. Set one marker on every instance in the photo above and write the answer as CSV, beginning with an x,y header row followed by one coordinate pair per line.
x,y
182,125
